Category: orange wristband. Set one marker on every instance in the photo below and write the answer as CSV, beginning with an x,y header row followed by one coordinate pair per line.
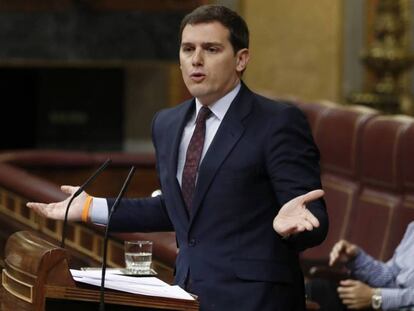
x,y
85,210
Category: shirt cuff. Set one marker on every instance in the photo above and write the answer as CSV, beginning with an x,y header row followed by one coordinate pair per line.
x,y
397,298
98,211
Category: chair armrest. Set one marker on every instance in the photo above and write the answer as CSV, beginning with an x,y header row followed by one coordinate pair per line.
x,y
312,305
333,274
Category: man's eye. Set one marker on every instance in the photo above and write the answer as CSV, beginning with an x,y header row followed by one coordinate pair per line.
x,y
212,50
187,49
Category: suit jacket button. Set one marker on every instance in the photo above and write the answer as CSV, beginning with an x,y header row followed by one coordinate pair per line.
x,y
192,242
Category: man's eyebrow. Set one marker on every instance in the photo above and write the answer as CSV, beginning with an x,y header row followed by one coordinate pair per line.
x,y
207,44
213,43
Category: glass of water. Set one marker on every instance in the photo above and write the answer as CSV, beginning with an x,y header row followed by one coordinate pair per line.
x,y
138,256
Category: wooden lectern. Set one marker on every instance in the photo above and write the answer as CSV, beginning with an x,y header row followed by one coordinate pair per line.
x,y
37,278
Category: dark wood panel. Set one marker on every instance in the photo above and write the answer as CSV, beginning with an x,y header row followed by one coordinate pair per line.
x,y
80,34
132,5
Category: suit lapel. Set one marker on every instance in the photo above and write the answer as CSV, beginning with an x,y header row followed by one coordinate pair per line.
x,y
230,131
176,131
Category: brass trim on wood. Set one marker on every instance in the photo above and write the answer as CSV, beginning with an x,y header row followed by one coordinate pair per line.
x,y
16,287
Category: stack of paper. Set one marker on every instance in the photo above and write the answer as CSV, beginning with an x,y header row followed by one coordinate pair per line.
x,y
150,286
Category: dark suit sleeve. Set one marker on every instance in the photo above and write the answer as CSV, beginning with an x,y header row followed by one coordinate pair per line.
x,y
140,215
293,165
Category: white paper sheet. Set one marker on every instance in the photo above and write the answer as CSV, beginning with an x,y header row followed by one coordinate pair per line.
x,y
150,286
112,275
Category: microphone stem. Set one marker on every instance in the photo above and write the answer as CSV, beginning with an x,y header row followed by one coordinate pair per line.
x,y
111,211
105,250
65,222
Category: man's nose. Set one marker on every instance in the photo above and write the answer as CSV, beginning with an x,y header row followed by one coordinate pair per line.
x,y
197,58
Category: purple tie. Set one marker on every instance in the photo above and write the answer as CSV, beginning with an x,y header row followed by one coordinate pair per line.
x,y
193,156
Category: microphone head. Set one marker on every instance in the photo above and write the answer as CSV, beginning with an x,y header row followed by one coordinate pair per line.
x,y
156,193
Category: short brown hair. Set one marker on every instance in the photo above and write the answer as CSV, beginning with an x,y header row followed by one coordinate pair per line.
x,y
239,32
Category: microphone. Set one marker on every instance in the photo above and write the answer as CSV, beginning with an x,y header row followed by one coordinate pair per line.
x,y
78,192
111,211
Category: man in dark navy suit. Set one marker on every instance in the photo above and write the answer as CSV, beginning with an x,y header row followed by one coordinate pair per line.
x,y
239,175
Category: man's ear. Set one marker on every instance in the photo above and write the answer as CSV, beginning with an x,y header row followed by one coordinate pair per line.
x,y
242,58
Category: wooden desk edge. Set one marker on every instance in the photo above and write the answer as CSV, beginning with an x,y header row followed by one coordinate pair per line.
x,y
122,298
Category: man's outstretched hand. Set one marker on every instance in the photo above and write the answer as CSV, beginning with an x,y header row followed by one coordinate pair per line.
x,y
294,217
57,210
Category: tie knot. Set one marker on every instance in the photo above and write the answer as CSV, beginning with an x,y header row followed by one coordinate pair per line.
x,y
203,114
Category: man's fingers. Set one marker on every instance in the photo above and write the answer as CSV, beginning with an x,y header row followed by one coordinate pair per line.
x,y
348,282
306,224
333,258
307,221
69,189
345,295
300,228
36,205
47,210
338,245
335,252
300,223
40,208
312,219
344,291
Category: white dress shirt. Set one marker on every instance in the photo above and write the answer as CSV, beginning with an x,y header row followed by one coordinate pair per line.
x,y
218,109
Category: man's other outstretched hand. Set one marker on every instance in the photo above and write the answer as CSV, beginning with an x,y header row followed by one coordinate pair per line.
x,y
294,217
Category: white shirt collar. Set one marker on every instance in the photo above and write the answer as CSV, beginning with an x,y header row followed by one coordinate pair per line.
x,y
220,107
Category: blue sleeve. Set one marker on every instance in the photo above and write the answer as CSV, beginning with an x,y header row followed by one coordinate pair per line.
x,y
373,272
